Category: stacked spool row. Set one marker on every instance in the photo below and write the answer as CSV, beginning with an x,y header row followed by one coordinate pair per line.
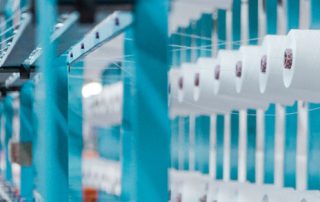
x,y
282,70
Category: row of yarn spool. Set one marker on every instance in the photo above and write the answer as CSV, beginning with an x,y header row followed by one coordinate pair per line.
x,y
282,70
193,186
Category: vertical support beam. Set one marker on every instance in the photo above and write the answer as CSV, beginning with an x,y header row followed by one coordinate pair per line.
x,y
1,126
189,122
251,116
269,124
291,121
176,121
52,94
8,117
150,139
313,161
128,158
222,36
75,143
27,131
204,30
234,116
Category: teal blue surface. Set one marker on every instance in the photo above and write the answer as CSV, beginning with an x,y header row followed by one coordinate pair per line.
x,y
222,36
1,126
149,116
251,114
8,117
234,118
202,124
27,131
52,95
269,117
222,28
175,145
269,132
220,134
236,24
175,62
271,16
204,29
251,144
128,161
234,127
313,162
75,143
293,10
186,147
290,146
109,142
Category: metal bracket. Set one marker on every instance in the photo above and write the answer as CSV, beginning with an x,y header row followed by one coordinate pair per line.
x,y
109,28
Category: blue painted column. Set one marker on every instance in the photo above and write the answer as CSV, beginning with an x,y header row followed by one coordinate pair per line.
x,y
204,29
293,10
8,117
174,123
221,29
148,118
234,116
128,158
185,56
251,114
313,163
27,131
75,143
1,126
52,95
270,119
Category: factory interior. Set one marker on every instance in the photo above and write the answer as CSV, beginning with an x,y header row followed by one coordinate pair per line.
x,y
159,100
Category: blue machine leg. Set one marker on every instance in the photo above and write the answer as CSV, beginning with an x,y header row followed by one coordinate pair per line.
x,y
27,131
234,117
8,115
75,132
149,118
52,94
269,132
314,120
1,143
53,113
222,36
251,117
293,10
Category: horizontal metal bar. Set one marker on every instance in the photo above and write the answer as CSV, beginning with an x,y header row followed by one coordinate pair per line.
x,y
109,28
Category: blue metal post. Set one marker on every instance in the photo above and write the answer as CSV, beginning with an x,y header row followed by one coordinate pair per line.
x,y
128,158
269,125
202,123
185,56
234,117
221,28
27,131
8,116
146,141
52,94
175,57
150,112
313,162
251,116
1,115
293,10
75,143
